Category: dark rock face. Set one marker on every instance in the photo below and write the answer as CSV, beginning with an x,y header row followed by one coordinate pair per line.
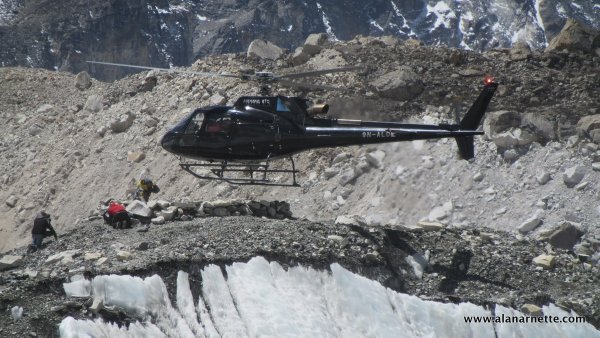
x,y
63,34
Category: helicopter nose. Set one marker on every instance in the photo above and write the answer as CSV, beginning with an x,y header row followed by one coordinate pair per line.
x,y
168,142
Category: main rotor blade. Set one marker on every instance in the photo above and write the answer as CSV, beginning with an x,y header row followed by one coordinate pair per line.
x,y
307,85
318,72
168,70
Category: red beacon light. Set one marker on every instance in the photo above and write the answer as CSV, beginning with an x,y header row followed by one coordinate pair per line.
x,y
488,80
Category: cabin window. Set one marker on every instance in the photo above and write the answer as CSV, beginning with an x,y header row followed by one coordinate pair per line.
x,y
222,124
282,106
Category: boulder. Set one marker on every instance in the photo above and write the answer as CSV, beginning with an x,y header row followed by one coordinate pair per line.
x,y
139,208
217,99
401,84
375,158
299,57
520,51
97,305
11,201
565,236
10,261
122,123
123,255
430,226
63,257
136,156
587,124
93,104
45,109
500,121
531,310
91,256
543,177
314,43
350,220
263,49
220,212
83,80
545,261
531,223
168,214
575,36
573,175
441,212
349,175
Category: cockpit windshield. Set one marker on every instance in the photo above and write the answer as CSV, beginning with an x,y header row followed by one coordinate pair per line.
x,y
195,123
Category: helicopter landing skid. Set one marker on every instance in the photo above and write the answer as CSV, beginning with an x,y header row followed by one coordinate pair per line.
x,y
223,169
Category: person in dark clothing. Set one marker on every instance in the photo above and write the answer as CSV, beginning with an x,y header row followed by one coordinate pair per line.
x,y
41,228
116,215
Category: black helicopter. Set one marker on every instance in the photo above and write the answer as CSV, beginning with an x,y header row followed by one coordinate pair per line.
x,y
238,143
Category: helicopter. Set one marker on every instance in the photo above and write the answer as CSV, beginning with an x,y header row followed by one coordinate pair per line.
x,y
238,143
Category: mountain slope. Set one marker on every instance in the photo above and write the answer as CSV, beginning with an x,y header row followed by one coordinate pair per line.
x,y
62,35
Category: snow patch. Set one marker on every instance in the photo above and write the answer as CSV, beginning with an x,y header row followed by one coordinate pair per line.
x,y
327,23
443,14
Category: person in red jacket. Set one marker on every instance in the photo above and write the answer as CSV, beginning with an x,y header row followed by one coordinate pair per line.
x,y
116,215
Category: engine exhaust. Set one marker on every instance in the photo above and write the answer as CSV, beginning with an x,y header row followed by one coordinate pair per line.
x,y
318,109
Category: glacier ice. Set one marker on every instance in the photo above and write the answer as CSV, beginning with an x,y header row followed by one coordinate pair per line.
x,y
261,298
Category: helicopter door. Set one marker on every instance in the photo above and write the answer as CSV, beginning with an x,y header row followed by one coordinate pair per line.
x,y
219,132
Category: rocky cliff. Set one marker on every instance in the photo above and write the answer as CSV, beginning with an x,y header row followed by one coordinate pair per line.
x,y
63,34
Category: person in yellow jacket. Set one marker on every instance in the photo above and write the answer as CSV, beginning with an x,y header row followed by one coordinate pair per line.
x,y
145,188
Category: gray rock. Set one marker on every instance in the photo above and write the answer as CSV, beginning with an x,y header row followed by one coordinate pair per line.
x,y
441,212
123,123
101,131
217,99
93,104
478,177
45,109
349,175
34,129
500,121
402,84
158,220
531,310
375,158
574,36
63,257
91,256
545,261
531,223
588,123
314,43
136,156
123,255
299,57
542,178
11,201
139,208
520,51
350,220
263,49
10,261
97,305
573,175
565,236
220,212
83,80
430,226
